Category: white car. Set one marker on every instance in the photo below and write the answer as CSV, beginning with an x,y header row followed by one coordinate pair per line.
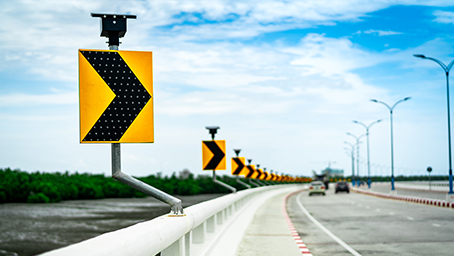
x,y
316,187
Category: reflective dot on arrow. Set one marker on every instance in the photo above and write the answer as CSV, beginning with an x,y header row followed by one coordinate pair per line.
x,y
125,86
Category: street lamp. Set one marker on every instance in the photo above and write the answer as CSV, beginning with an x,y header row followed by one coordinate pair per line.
x,y
368,158
353,161
446,69
357,153
391,120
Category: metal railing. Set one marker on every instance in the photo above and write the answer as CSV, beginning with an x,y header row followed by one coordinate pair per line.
x,y
197,232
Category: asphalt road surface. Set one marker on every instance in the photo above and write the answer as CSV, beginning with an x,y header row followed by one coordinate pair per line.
x,y
366,225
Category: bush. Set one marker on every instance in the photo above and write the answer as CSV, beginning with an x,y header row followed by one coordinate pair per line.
x,y
2,197
38,198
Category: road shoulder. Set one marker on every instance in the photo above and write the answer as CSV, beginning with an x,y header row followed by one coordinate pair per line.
x,y
268,232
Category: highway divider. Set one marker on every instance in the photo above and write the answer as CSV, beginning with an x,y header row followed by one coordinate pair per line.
x,y
434,202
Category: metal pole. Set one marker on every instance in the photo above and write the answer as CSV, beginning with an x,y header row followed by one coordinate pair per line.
x,y
175,203
222,183
357,162
242,183
449,135
353,168
368,159
392,147
392,154
253,183
446,69
368,154
357,155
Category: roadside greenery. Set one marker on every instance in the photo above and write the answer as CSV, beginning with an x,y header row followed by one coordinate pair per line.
x,y
39,187
18,186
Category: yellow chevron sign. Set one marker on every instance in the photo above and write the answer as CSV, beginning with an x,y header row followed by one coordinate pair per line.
x,y
239,166
213,155
115,96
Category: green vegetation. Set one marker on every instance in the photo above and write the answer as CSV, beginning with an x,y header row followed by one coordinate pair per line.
x,y
39,187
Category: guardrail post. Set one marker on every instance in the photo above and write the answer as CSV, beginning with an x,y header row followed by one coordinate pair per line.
x,y
198,234
227,213
187,244
175,249
211,224
220,217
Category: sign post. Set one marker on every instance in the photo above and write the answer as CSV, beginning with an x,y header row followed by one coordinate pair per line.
x,y
429,170
116,100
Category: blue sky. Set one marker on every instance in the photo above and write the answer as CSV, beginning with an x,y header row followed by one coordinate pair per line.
x,y
283,80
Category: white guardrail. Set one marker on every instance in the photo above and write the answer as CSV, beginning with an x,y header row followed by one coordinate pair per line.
x,y
213,227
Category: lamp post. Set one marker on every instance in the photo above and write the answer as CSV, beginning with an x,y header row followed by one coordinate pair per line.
x,y
391,120
353,160
368,156
446,69
357,154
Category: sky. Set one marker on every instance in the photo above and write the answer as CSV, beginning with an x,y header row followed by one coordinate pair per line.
x,y
283,80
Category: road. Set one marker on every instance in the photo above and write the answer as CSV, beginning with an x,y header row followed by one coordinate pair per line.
x,y
370,225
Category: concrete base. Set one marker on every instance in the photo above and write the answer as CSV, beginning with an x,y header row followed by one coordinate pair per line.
x,y
393,192
450,198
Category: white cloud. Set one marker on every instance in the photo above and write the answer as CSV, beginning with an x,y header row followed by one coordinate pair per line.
x,y
444,17
283,104
381,32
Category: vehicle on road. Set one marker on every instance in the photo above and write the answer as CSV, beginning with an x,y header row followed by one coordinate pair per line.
x,y
342,186
316,187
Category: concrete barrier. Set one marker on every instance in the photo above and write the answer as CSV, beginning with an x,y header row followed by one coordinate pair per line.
x,y
433,202
199,232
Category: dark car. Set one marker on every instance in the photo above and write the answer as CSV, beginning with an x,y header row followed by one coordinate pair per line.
x,y
342,186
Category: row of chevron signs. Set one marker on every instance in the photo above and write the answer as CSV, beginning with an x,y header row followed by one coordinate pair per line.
x,y
214,158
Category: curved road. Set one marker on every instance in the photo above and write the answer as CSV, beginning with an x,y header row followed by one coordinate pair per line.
x,y
370,225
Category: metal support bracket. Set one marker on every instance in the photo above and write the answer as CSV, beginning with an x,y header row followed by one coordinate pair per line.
x,y
176,207
242,183
253,183
261,183
222,183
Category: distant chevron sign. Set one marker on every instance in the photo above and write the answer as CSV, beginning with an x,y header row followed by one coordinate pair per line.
x,y
116,96
213,155
239,166
251,171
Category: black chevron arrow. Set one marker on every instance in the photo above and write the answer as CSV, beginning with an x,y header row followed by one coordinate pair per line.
x,y
218,155
251,171
266,175
260,173
240,166
130,96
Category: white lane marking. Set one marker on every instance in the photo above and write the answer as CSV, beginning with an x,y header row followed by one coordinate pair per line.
x,y
378,210
410,218
367,207
436,225
391,213
335,238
